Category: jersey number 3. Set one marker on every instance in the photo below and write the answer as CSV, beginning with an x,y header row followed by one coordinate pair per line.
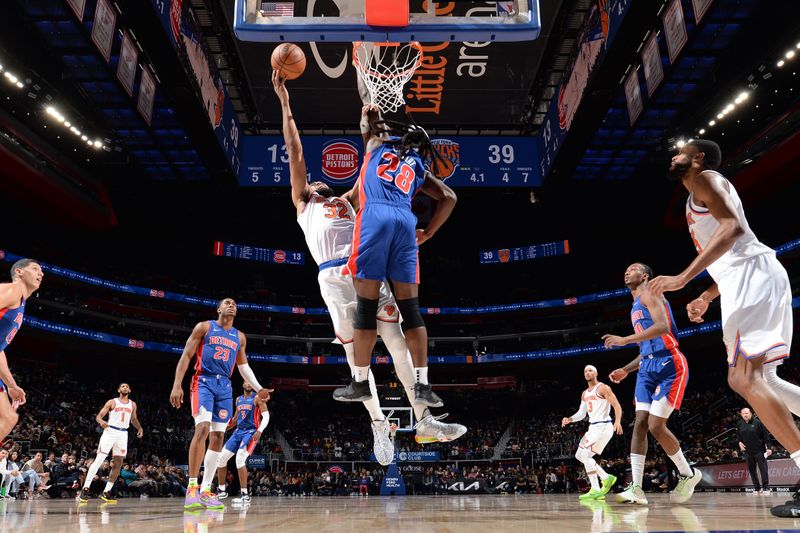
x,y
388,171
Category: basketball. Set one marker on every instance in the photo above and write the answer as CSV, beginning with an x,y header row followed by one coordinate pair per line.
x,y
289,60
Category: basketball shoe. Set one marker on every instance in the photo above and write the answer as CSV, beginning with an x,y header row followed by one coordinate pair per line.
x,y
192,502
608,483
632,494
84,496
222,494
424,395
244,499
382,444
108,498
355,391
685,487
430,429
209,500
593,494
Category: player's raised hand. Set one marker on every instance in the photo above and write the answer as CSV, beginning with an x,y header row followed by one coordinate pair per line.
x,y
279,84
369,108
618,375
176,397
661,284
610,341
264,394
696,309
566,421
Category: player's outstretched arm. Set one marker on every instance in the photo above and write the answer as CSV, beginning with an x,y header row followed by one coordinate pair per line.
x,y
189,351
15,392
698,307
711,190
660,325
135,422
578,416
298,177
446,202
262,406
101,414
244,368
352,195
621,373
608,394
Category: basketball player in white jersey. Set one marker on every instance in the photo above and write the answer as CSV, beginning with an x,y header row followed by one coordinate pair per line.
x,y
596,401
328,223
121,413
754,291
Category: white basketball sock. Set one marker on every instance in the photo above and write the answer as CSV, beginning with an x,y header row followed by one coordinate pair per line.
x,y
98,461
680,461
373,405
637,468
210,465
421,374
361,373
221,488
788,392
602,474
109,486
392,336
593,481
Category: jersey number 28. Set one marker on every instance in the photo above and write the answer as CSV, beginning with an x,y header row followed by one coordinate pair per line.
x,y
388,171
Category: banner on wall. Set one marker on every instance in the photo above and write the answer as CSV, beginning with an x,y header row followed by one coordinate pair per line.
x,y
255,253
128,62
700,7
651,64
147,96
633,95
105,20
525,253
78,7
674,29
782,472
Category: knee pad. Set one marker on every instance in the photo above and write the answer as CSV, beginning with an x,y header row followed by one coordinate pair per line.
x,y
582,454
224,456
241,458
409,311
366,312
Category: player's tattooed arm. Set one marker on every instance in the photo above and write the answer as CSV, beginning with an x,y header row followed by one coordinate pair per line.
x,y
135,422
189,351
101,415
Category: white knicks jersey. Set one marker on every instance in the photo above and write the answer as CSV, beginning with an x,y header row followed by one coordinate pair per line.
x,y
328,224
120,415
702,226
599,408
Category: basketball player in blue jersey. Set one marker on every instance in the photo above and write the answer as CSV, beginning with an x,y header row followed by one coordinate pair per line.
x,y
660,384
386,244
251,419
216,346
26,277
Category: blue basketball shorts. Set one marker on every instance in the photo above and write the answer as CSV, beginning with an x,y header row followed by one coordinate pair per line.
x,y
385,244
661,375
214,394
241,440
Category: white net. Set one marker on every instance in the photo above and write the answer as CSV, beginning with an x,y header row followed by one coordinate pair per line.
x,y
385,68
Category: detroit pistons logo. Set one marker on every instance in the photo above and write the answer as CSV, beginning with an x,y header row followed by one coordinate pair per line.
x,y
223,413
339,160
658,390
562,109
449,159
279,256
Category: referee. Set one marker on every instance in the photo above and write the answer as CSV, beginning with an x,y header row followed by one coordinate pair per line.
x,y
755,446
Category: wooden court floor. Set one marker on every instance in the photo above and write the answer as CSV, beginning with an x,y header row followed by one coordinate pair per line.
x,y
439,514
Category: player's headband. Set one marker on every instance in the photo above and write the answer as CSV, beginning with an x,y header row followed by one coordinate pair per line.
x,y
591,367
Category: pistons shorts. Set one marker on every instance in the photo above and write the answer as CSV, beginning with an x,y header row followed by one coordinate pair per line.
x,y
214,394
662,379
385,244
241,440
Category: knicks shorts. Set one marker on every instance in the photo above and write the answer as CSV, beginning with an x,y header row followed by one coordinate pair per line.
x,y
385,244
212,394
241,440
597,437
756,305
114,442
339,294
661,383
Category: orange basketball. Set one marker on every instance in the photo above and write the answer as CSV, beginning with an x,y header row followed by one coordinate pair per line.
x,y
289,60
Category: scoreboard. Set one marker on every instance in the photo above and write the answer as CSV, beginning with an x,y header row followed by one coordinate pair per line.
x,y
468,161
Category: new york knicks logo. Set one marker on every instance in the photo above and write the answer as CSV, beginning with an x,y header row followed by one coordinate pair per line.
x,y
339,160
450,152
504,254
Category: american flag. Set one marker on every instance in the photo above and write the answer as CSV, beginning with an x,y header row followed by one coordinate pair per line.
x,y
277,9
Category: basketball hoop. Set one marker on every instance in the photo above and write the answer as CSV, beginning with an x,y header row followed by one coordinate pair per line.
x,y
385,68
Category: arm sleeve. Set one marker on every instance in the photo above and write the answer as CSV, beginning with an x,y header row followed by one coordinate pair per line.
x,y
264,421
249,377
581,414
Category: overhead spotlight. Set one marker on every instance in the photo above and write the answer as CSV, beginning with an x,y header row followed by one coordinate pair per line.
x,y
798,47
681,143
20,84
84,138
1,66
790,54
781,63
702,131
712,122
742,97
720,115
729,108
98,143
67,123
11,77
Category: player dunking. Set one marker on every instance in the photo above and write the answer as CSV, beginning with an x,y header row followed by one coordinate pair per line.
x,y
386,243
121,413
26,277
328,223
215,346
755,295
251,419
596,401
660,384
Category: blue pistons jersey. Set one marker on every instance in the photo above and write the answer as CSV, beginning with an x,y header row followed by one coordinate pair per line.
x,y
641,319
248,416
385,178
10,322
217,353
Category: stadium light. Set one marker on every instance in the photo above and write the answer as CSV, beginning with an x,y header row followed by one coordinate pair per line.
x,y
702,131
712,122
790,54
781,63
681,143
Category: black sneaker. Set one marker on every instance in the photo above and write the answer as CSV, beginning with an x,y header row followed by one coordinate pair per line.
x,y
791,509
424,395
84,496
355,391
108,498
